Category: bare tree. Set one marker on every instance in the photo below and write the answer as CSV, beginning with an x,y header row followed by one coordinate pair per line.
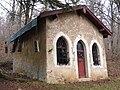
x,y
117,2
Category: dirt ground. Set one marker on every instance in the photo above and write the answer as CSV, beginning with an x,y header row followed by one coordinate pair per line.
x,y
10,85
15,85
22,82
113,67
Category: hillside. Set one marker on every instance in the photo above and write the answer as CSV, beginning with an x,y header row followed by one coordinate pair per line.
x,y
13,81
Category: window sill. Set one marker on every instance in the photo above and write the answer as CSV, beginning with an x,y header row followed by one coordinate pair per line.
x,y
63,66
98,66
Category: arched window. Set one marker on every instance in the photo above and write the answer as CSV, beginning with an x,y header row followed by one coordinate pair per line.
x,y
62,51
80,50
95,54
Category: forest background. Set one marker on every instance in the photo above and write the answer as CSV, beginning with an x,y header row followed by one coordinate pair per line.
x,y
16,13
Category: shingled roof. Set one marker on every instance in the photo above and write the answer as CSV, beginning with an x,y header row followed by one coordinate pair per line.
x,y
80,9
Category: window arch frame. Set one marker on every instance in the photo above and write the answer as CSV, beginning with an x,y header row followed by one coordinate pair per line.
x,y
58,35
96,55
100,54
62,51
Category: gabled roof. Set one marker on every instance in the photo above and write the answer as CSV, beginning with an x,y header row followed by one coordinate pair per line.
x,y
80,9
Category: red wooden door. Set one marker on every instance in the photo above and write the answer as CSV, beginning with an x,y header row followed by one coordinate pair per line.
x,y
81,60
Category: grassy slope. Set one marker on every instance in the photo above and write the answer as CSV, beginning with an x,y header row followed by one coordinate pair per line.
x,y
97,85
113,84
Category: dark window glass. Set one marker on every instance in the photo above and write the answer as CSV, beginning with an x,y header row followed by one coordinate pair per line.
x,y
14,45
80,50
36,46
95,54
6,49
62,51
19,46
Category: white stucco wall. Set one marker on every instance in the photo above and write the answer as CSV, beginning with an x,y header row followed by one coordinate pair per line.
x,y
73,28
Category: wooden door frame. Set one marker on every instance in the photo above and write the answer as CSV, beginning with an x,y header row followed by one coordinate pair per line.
x,y
87,61
84,60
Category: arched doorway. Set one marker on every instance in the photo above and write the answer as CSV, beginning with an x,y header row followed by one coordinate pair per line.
x,y
81,59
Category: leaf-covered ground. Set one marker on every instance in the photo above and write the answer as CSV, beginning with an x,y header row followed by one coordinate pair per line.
x,y
37,85
10,81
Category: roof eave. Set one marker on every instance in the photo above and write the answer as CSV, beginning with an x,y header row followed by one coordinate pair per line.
x,y
82,8
95,20
86,12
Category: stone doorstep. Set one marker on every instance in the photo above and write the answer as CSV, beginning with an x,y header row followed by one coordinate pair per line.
x,y
84,79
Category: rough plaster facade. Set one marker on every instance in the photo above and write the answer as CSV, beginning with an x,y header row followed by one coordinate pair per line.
x,y
43,65
74,28
29,62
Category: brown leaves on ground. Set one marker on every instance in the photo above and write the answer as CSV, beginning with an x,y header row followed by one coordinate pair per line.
x,y
15,81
